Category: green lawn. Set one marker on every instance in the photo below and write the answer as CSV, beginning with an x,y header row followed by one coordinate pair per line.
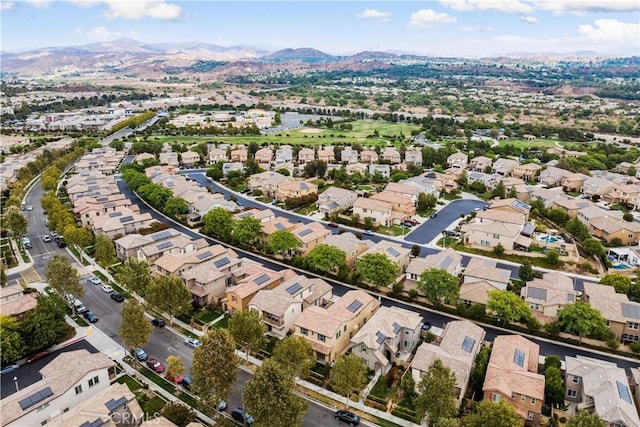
x,y
133,384
394,230
540,143
206,316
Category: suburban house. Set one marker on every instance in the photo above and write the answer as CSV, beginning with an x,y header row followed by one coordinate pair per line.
x,y
14,302
413,156
176,263
588,214
549,196
306,155
596,186
461,341
326,155
383,170
349,155
180,244
552,176
458,160
397,253
402,206
153,171
292,188
504,167
609,228
267,182
493,227
480,277
527,171
564,153
602,387
262,215
512,376
277,224
389,337
330,327
68,380
168,158
622,315
349,244
573,182
251,279
334,199
309,235
217,155
403,190
284,154
121,222
628,195
511,205
205,202
88,208
229,167
379,212
127,246
448,260
550,293
189,159
368,156
480,163
239,155
264,155
391,155
573,206
423,183
209,281
140,158
528,137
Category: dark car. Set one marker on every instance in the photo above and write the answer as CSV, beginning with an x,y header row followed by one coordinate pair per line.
x,y
411,221
90,316
240,415
407,224
433,215
117,297
159,323
347,417
186,382
451,233
332,224
156,366
37,356
9,368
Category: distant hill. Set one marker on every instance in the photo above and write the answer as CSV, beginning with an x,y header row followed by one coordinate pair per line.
x,y
304,54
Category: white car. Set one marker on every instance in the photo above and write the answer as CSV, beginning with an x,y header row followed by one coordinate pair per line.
x,y
29,208
192,342
95,281
106,288
46,238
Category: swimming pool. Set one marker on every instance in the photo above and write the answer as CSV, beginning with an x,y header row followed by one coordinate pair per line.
x,y
620,266
550,239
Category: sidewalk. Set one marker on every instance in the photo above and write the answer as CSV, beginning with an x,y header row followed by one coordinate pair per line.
x,y
22,266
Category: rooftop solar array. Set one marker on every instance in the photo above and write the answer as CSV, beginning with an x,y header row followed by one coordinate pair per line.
x,y
623,391
204,255
280,226
518,358
112,404
519,204
294,288
393,252
126,219
102,199
35,398
164,245
355,306
381,337
109,205
537,293
161,235
260,280
468,343
222,262
630,310
305,232
97,423
304,185
396,327
446,262
115,214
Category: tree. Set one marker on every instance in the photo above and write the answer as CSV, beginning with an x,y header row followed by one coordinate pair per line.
x,y
247,330
326,258
558,216
592,246
577,229
525,272
498,249
10,340
105,252
377,269
438,284
552,360
508,306
62,277
170,295
175,206
45,324
499,191
579,318
283,241
134,275
215,172
585,419
621,283
628,216
295,354
215,367
219,223
78,236
415,250
446,422
178,413
437,393
247,230
15,222
134,326
553,257
408,386
553,385
368,223
349,373
426,202
269,396
175,368
488,413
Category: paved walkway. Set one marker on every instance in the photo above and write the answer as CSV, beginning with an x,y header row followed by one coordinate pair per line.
x,y
22,266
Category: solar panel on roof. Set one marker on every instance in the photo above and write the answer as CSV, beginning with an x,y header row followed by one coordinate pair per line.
x,y
109,205
304,185
245,214
355,306
396,327
518,358
204,255
305,232
393,252
537,293
381,337
115,214
260,280
126,219
102,199
161,235
294,288
623,391
446,262
630,310
35,398
112,404
221,262
97,423
280,226
164,245
468,343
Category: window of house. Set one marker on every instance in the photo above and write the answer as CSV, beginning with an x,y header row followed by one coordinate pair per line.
x,y
523,397
571,393
533,400
633,325
304,331
513,394
495,397
78,389
575,379
43,423
338,334
93,381
321,338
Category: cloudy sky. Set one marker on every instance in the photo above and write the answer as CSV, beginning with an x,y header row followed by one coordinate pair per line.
x,y
469,28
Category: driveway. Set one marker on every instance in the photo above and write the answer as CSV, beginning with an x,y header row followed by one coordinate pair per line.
x,y
431,228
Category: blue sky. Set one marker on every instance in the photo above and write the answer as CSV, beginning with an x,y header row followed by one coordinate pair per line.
x,y
439,27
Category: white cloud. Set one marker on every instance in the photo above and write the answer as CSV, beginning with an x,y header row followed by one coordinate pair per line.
x,y
427,18
101,34
40,4
374,14
611,31
136,9
7,5
561,6
477,29
529,19
508,6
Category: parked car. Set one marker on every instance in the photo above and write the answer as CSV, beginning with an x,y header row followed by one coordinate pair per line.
x,y
407,224
107,289
477,209
90,316
451,233
192,342
433,215
185,382
117,297
26,242
60,242
412,221
156,366
240,415
79,307
29,208
46,238
347,417
368,232
332,224
159,323
9,368
139,354
95,281
37,356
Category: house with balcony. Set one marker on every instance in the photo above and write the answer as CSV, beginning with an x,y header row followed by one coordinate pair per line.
x,y
458,160
349,244
480,277
600,387
461,341
573,182
527,172
404,190
391,155
397,253
293,188
388,338
127,246
208,282
448,260
330,326
264,155
327,155
349,155
379,212
248,281
596,186
309,235
552,176
413,156
189,159
267,182
512,376
622,315
547,295
15,302
480,164
335,199
239,155
504,167
369,156
217,155
306,155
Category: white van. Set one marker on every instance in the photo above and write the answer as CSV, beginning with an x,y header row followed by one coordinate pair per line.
x,y
79,306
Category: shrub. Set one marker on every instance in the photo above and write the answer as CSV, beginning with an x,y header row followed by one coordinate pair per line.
x,y
635,347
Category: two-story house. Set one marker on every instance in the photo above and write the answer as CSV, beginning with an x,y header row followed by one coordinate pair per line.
x,y
334,199
480,277
180,244
306,155
573,182
326,155
208,282
527,171
402,206
239,155
264,155
413,156
121,222
504,167
610,228
382,170
349,155
189,159
379,212
480,163
404,190
457,160
249,280
547,295
448,260
267,182
309,235
552,176
391,154
14,302
294,188
127,246
217,155
169,158
397,253
491,227
368,156
262,215
349,244
622,315
596,186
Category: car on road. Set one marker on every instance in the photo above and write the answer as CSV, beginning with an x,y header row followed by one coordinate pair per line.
x,y
117,297
95,281
222,405
192,342
9,368
29,208
156,366
240,415
46,238
107,289
139,353
332,224
158,323
60,242
368,232
26,242
90,316
433,215
37,356
477,209
347,417
53,233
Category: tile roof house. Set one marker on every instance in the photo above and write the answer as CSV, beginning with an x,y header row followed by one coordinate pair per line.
x,y
127,246
169,158
87,208
292,188
140,158
284,154
349,155
480,163
368,156
511,205
504,167
628,194
512,376
480,277
549,196
413,156
610,228
349,244
217,155
334,199
121,222
228,167
154,171
389,337
550,293
68,380
251,279
493,226
262,215
447,259
326,155
239,155
329,327
309,235
572,206
391,154
622,315
601,387
596,186
306,155
552,176
383,170
527,171
264,155
209,281
14,302
176,263
461,341
267,182
573,181
180,244
397,253
379,212
402,205
458,160
189,159
403,190
277,224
